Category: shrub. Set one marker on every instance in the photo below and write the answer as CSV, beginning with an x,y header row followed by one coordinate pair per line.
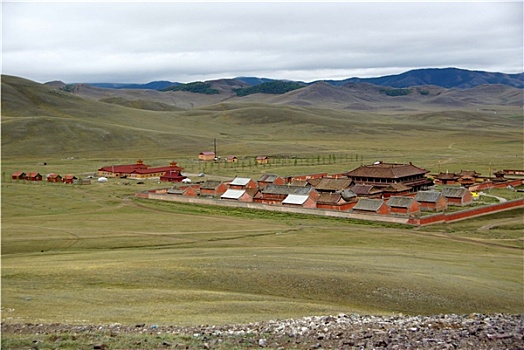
x,y
395,92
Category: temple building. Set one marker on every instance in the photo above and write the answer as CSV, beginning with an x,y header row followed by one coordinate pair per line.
x,y
384,175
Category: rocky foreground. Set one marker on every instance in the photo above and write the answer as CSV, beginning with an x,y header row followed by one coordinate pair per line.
x,y
474,331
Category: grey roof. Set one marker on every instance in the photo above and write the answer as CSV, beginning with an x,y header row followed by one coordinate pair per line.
x,y
240,181
454,192
285,189
400,202
368,204
326,184
210,184
361,189
348,194
300,183
397,187
232,194
268,178
428,196
176,191
329,198
295,199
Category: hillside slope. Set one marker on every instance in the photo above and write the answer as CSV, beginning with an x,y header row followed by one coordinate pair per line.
x,y
443,77
39,120
350,96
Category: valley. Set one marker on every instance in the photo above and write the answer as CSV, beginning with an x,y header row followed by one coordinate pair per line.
x,y
95,254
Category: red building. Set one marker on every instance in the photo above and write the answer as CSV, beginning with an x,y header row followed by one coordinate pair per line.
x,y
368,191
269,179
69,179
54,178
403,205
206,155
457,196
330,185
172,171
188,191
19,175
33,176
341,201
275,194
431,201
446,178
262,160
242,183
121,170
396,189
371,206
382,175
300,201
172,174
300,178
241,195
213,188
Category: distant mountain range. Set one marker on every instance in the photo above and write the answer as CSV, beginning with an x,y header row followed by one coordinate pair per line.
x,y
154,85
441,77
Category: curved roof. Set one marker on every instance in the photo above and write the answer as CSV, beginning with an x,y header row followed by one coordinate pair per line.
x,y
386,170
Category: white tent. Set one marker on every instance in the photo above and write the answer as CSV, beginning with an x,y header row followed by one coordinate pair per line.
x,y
102,179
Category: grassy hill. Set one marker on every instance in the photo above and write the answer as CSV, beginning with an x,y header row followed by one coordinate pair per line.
x,y
95,254
42,121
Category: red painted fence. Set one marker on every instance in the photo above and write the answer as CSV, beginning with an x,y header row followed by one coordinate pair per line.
x,y
468,213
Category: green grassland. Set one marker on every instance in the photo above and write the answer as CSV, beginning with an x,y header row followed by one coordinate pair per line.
x,y
96,254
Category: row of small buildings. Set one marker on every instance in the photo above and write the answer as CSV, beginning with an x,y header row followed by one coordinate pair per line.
x,y
36,176
210,155
139,170
378,188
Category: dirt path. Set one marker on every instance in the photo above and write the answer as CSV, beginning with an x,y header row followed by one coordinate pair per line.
x,y
501,223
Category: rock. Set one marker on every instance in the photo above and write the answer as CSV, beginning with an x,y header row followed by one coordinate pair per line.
x,y
473,331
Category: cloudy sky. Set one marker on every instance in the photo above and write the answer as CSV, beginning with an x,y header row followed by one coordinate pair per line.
x,y
187,41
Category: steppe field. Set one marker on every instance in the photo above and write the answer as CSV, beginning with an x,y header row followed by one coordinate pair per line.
x,y
95,254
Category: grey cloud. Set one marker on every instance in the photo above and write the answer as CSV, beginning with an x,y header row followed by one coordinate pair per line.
x,y
140,42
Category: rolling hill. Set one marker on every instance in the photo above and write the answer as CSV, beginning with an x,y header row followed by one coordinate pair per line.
x,y
43,120
442,77
350,96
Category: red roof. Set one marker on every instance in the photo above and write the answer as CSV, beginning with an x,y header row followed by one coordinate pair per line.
x,y
164,169
128,168
33,174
